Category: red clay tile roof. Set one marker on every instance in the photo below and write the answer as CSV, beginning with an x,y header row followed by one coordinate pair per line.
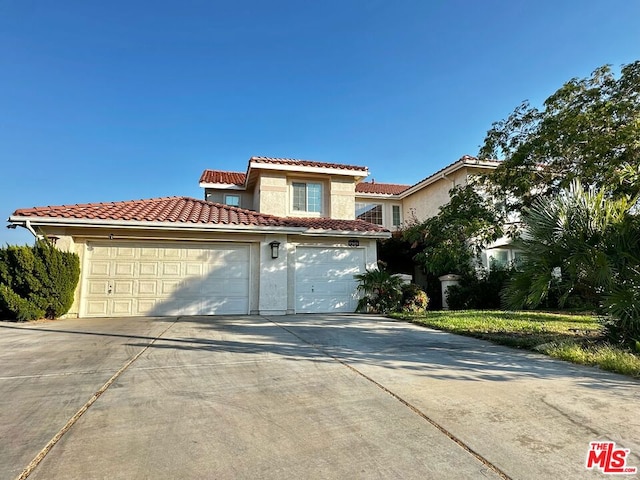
x,y
380,188
304,163
331,224
219,176
185,210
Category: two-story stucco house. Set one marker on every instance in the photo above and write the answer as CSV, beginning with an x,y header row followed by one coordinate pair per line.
x,y
285,236
281,238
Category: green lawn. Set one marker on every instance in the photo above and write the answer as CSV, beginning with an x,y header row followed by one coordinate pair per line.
x,y
575,338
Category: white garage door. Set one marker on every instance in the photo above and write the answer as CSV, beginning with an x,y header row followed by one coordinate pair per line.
x,y
324,279
133,279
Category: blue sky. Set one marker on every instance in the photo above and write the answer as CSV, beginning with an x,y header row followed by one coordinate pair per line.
x,y
119,100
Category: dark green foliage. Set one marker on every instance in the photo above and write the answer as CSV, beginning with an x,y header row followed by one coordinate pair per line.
x,y
451,241
396,254
13,305
37,281
480,291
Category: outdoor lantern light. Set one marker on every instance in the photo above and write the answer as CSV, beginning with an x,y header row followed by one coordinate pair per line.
x,y
275,245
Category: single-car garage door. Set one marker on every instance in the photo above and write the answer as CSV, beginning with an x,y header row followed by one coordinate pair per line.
x,y
324,279
134,279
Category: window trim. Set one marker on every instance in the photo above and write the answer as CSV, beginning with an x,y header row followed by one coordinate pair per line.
x,y
373,206
227,196
393,215
306,184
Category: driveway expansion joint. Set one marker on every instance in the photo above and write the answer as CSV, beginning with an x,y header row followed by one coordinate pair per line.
x,y
71,422
487,463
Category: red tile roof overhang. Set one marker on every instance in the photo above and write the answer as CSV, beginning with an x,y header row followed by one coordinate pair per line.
x,y
239,180
186,214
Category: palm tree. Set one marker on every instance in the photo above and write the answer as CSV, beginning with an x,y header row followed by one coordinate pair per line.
x,y
586,245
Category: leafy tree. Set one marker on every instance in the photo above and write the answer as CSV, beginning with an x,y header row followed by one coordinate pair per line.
x,y
451,242
588,130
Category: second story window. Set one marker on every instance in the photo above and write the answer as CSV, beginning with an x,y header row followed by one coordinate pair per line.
x,y
395,212
232,200
369,212
307,197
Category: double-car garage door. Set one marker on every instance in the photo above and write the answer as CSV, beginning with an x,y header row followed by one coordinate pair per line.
x,y
155,279
165,279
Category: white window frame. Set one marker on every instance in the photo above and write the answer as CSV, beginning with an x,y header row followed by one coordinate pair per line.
x,y
373,205
393,208
306,209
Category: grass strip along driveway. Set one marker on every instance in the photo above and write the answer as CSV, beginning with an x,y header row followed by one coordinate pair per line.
x,y
574,338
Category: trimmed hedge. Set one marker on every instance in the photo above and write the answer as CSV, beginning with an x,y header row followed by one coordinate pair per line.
x,y
37,282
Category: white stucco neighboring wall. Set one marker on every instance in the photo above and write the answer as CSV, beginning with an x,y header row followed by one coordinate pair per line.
x,y
273,277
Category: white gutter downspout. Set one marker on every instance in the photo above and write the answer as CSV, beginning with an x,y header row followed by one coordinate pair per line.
x,y
27,225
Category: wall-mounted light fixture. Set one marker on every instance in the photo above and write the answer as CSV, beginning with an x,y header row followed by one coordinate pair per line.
x,y
111,236
275,246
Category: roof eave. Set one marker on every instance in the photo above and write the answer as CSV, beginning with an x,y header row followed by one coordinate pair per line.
x,y
358,174
448,170
186,226
222,186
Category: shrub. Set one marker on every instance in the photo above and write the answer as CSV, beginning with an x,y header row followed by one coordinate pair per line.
x,y
481,291
37,281
414,299
382,291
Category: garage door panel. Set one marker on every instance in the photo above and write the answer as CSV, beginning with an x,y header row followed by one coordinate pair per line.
x,y
147,287
99,268
123,307
149,252
123,287
171,269
97,308
125,252
145,305
165,279
167,287
148,269
98,287
170,253
124,269
325,279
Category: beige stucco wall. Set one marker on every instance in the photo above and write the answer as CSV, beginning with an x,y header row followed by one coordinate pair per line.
x,y
426,202
342,199
273,197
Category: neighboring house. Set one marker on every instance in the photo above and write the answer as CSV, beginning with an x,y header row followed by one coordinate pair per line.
x,y
286,236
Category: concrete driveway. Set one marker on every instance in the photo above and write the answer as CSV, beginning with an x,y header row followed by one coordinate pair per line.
x,y
315,396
